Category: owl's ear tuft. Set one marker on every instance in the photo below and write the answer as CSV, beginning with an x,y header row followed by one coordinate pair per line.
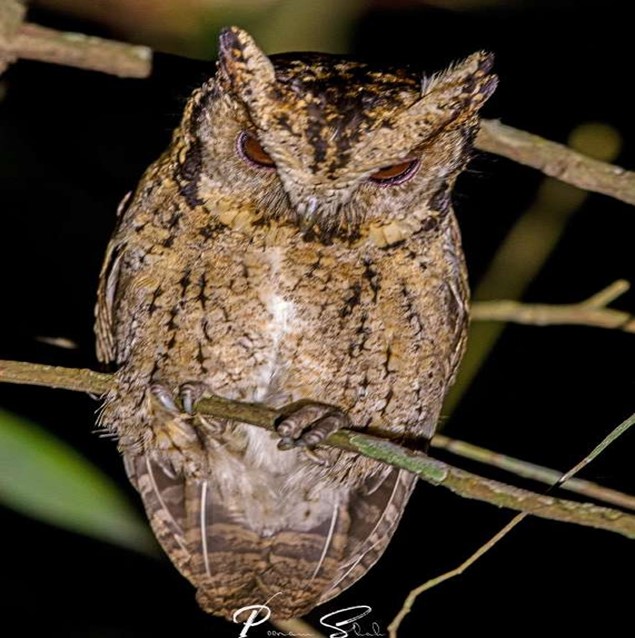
x,y
248,70
464,87
449,100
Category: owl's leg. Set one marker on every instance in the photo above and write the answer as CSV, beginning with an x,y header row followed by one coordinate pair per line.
x,y
307,424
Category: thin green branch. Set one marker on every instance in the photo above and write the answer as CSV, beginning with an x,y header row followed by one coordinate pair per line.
x,y
532,471
430,470
406,608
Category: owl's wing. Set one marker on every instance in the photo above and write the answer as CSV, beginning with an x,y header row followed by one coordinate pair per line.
x,y
163,498
107,291
375,511
104,327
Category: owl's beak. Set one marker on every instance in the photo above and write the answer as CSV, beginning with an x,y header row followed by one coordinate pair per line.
x,y
306,211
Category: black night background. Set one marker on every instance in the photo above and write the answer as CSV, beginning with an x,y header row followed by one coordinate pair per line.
x,y
73,142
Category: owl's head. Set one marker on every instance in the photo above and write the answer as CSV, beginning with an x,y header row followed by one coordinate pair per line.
x,y
328,144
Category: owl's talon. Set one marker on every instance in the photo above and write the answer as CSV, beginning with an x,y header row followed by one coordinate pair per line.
x,y
286,443
190,393
308,424
316,457
182,402
165,397
322,428
187,399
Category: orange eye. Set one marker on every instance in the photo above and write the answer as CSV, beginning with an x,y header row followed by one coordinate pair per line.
x,y
251,150
396,173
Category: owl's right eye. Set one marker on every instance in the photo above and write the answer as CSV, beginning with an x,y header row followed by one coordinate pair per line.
x,y
250,149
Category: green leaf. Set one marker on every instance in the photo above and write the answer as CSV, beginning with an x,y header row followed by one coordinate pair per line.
x,y
42,477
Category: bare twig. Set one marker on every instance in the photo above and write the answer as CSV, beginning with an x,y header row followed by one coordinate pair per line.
x,y
430,470
557,161
591,312
433,582
33,42
77,379
406,608
532,471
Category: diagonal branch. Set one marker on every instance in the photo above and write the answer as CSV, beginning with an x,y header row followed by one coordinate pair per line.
x,y
591,312
430,470
406,608
557,160
532,471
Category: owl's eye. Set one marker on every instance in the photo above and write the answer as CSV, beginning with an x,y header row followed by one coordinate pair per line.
x,y
396,173
250,150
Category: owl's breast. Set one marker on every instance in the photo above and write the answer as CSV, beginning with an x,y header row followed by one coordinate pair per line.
x,y
281,325
274,323
373,332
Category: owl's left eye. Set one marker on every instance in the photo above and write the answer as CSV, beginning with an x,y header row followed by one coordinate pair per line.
x,y
395,173
250,149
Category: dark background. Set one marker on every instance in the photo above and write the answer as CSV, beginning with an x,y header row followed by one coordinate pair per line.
x,y
72,143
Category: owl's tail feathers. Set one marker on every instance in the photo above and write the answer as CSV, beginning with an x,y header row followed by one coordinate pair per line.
x,y
231,565
375,511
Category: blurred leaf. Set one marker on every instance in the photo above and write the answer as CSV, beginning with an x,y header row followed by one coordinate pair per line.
x,y
44,478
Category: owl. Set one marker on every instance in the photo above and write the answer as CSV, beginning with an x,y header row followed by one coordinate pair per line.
x,y
294,246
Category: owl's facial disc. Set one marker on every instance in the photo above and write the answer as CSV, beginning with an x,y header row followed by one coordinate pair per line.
x,y
333,128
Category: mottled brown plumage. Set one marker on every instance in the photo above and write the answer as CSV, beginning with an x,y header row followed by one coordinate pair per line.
x,y
295,241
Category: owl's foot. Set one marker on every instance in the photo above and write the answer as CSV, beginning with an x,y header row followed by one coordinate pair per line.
x,y
190,393
181,404
306,424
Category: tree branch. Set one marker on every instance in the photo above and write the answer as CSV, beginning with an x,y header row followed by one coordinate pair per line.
x,y
33,42
532,471
406,608
591,312
76,379
11,16
430,470
557,160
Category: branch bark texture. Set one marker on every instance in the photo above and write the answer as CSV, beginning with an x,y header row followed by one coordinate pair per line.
x,y
557,160
33,42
